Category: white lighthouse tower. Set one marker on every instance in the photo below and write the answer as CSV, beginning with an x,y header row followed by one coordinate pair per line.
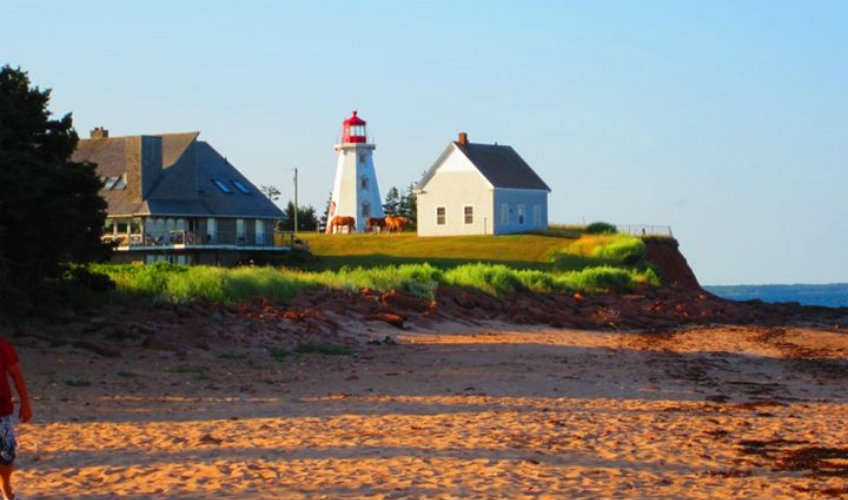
x,y
355,190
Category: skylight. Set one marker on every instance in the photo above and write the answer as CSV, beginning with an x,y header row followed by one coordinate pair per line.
x,y
110,183
223,187
241,187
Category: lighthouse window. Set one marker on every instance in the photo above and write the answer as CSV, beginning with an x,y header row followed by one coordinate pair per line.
x,y
366,209
361,157
363,182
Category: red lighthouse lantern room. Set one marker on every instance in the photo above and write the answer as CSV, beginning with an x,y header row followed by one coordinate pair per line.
x,y
353,129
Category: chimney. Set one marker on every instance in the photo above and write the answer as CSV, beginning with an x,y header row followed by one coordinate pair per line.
x,y
463,138
99,133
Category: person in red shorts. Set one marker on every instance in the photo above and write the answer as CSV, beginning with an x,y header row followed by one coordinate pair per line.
x,y
9,367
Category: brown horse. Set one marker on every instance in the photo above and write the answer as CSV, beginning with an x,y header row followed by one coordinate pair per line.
x,y
342,221
374,223
396,223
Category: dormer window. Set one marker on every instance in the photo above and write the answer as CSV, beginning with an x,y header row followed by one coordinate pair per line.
x,y
241,187
222,186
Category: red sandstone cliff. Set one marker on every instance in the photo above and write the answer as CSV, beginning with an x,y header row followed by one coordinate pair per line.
x,y
665,256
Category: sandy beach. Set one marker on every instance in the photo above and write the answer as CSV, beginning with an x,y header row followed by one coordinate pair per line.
x,y
453,411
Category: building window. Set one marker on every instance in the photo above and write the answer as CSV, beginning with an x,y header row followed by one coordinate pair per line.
x,y
537,215
223,187
135,226
366,209
440,216
521,214
240,230
211,230
504,213
260,231
363,182
468,212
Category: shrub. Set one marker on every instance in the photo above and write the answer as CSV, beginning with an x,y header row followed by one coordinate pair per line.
x,y
601,228
649,276
83,276
621,248
586,245
564,260
597,279
495,279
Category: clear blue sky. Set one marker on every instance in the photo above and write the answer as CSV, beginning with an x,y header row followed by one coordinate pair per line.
x,y
725,120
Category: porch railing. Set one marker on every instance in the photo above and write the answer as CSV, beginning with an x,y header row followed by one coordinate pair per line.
x,y
181,237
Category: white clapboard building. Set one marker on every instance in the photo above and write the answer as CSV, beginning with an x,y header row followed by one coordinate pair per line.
x,y
480,189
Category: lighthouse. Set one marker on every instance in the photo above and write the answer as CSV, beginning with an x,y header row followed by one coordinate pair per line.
x,y
355,190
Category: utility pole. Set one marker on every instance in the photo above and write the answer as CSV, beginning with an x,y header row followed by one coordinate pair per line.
x,y
295,200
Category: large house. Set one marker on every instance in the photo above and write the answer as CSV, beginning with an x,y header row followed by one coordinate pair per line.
x,y
480,189
171,197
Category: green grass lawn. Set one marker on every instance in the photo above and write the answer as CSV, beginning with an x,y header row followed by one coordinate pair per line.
x,y
368,250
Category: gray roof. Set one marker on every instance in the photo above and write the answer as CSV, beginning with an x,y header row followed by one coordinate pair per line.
x,y
500,165
172,175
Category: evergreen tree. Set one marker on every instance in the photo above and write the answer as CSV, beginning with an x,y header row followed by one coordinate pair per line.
x,y
392,203
50,211
323,222
306,220
408,206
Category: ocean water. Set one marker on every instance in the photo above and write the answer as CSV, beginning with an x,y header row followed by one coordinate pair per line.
x,y
831,295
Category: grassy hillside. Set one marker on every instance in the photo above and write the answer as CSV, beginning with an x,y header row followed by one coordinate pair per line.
x,y
557,261
520,250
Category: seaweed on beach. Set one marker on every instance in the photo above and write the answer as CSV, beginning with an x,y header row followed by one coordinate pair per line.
x,y
820,461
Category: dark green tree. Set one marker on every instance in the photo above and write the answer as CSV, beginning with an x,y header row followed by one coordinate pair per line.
x,y
50,211
408,206
270,191
392,203
306,219
323,222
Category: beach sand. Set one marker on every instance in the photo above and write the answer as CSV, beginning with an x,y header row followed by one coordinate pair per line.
x,y
492,411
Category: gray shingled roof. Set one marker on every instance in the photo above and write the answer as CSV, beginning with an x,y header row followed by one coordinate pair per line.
x,y
184,185
500,165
